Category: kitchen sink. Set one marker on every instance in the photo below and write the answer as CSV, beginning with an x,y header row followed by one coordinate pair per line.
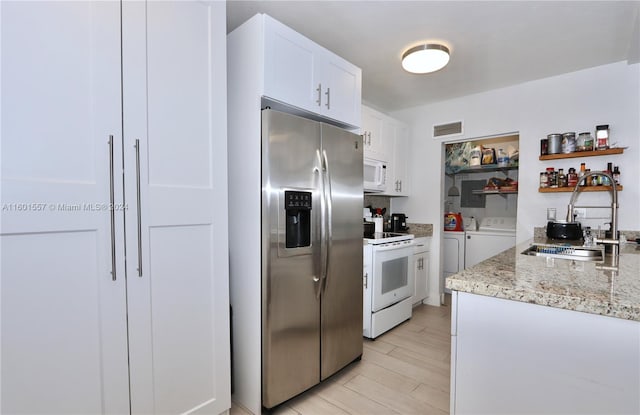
x,y
571,252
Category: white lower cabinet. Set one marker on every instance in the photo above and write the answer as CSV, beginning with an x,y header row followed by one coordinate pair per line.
x,y
421,268
513,357
114,255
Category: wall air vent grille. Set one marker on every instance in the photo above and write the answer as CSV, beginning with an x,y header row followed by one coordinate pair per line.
x,y
443,130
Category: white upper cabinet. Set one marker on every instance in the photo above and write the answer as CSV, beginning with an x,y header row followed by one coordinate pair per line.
x,y
387,139
303,74
374,148
398,180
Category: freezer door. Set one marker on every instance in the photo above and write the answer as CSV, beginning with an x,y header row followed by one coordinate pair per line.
x,y
341,307
290,276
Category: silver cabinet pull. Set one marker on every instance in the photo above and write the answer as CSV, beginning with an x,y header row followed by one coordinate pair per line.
x,y
319,89
112,211
369,134
400,185
139,207
328,94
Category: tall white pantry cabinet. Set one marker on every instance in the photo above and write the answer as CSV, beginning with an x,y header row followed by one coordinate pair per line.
x,y
114,230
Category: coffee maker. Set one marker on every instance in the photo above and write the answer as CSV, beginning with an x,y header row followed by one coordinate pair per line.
x,y
398,222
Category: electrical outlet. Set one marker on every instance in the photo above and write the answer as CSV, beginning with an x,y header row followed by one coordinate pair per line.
x,y
579,213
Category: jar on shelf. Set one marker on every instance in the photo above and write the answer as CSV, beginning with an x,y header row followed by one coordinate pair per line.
x,y
584,142
602,137
572,177
562,178
554,143
553,177
544,179
543,147
568,142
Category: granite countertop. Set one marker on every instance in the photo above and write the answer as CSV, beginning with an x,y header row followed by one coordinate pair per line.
x,y
560,283
419,230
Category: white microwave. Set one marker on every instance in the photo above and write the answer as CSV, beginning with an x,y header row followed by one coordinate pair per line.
x,y
375,175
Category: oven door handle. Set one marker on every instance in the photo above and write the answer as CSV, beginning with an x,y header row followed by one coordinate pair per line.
x,y
378,248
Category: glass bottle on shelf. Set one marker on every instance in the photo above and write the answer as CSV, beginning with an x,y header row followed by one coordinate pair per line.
x,y
562,178
616,175
572,177
553,177
544,179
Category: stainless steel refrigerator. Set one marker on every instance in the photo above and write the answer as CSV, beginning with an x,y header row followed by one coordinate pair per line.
x,y
311,253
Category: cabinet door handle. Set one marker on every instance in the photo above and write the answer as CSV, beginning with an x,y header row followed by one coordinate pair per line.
x,y
400,181
328,94
319,89
139,207
369,137
112,211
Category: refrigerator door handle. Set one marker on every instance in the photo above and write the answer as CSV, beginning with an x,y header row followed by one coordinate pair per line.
x,y
328,217
323,229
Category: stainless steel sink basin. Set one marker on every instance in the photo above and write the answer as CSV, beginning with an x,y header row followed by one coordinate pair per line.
x,y
575,253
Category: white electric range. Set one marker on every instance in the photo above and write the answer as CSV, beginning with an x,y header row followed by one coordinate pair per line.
x,y
388,282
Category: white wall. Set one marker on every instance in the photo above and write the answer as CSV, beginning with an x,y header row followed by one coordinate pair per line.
x,y
577,101
495,205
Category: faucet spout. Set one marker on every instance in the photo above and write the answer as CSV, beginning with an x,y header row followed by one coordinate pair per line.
x,y
613,241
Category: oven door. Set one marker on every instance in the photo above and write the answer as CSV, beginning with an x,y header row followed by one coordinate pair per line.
x,y
392,275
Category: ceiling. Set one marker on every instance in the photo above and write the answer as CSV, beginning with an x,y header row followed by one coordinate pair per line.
x,y
493,43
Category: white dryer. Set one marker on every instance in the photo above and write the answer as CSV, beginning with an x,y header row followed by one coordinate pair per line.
x,y
453,247
494,235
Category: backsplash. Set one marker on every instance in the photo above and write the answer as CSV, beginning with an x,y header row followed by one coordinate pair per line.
x,y
383,202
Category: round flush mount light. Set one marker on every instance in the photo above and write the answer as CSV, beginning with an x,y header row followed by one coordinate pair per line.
x,y
426,58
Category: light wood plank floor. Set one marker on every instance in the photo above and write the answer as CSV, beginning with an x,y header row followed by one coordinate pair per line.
x,y
404,371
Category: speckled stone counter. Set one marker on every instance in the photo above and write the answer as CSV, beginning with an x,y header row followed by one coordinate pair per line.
x,y
560,283
420,230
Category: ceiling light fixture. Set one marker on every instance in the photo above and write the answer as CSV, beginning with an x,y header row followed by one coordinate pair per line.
x,y
426,58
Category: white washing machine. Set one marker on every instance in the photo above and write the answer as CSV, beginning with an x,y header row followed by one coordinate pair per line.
x,y
494,235
453,244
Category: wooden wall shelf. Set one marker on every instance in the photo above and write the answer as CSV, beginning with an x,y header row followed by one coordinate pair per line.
x,y
494,192
582,189
608,152
481,169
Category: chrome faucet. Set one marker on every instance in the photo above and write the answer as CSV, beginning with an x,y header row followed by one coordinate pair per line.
x,y
613,241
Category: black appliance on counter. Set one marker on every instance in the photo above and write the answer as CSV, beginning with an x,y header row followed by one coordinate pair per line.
x,y
369,228
398,222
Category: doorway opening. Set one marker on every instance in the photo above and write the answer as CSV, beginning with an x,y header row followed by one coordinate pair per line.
x,y
480,197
